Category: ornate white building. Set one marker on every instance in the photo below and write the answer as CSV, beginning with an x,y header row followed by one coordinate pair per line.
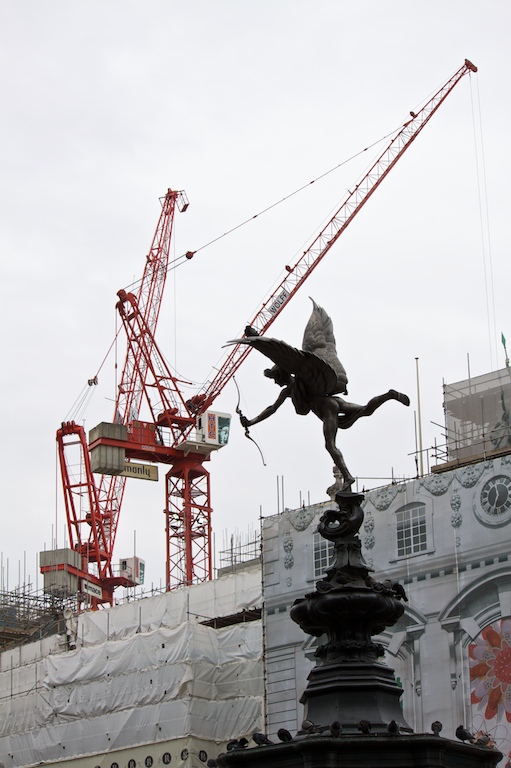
x,y
446,537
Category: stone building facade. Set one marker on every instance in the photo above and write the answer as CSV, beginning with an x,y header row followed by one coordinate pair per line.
x,y
446,537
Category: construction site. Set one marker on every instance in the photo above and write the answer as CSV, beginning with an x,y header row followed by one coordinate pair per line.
x,y
99,671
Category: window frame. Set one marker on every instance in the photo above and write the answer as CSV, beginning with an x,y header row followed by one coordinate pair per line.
x,y
322,555
427,530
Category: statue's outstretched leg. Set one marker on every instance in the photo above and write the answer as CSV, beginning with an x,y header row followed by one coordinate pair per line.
x,y
347,420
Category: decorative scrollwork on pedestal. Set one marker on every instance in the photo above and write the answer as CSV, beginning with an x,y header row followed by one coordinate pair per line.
x,y
349,606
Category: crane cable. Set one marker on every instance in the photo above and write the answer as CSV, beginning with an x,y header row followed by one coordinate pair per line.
x,y
177,262
83,399
77,410
300,189
484,218
296,191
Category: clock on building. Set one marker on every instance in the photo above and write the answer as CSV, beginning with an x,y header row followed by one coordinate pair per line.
x,y
494,507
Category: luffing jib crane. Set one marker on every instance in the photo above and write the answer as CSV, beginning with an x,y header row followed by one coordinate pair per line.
x,y
93,506
168,436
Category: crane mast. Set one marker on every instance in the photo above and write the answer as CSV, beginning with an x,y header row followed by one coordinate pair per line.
x,y
92,509
145,310
145,305
168,437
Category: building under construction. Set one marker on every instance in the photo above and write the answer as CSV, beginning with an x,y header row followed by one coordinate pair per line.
x,y
161,678
26,616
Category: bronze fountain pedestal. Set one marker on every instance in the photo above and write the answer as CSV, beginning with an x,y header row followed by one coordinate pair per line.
x,y
352,714
349,607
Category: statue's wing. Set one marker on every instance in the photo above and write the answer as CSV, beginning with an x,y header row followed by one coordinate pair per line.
x,y
317,376
319,339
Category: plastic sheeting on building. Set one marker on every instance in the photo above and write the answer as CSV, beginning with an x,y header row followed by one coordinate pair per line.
x,y
220,597
147,683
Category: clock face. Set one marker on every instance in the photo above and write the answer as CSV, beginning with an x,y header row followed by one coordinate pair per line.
x,y
495,500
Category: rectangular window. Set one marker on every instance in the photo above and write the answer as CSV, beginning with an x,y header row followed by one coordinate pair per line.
x,y
323,552
411,530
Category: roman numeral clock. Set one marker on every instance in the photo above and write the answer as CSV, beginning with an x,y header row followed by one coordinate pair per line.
x,y
494,507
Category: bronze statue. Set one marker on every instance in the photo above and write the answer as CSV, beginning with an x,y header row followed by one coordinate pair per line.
x,y
312,378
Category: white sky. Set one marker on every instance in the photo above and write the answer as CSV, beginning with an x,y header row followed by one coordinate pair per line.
x,y
107,103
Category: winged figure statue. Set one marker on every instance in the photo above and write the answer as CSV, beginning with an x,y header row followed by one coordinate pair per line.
x,y
313,378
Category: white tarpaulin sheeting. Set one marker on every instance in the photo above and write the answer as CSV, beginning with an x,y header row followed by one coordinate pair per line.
x,y
163,646
147,683
141,725
221,597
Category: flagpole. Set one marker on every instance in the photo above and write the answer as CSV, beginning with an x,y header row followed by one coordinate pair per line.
x,y
503,339
421,458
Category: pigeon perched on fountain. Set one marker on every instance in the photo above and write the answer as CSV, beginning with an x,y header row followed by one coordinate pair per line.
x,y
365,727
261,739
463,734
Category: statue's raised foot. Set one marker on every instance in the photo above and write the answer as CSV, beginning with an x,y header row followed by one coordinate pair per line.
x,y
399,396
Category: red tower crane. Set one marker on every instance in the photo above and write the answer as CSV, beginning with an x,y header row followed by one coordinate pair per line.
x,y
93,509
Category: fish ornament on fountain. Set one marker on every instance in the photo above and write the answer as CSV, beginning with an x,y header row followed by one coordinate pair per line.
x,y
348,606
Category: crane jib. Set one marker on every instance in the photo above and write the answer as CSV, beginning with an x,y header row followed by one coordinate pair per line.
x,y
353,203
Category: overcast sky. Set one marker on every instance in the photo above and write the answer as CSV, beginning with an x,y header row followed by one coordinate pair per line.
x,y
107,103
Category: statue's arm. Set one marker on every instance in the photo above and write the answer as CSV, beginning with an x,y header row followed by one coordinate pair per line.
x,y
269,411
